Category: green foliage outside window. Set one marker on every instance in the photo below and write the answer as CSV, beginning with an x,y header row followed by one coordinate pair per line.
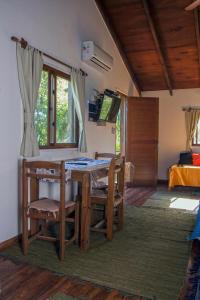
x,y
41,113
62,111
107,102
62,116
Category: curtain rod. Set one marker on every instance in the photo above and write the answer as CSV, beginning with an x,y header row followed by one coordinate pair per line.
x,y
24,44
189,108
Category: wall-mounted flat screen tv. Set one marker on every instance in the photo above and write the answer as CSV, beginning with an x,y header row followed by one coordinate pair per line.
x,y
105,108
109,107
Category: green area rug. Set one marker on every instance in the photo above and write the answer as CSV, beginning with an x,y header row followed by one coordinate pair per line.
x,y
177,198
147,258
60,296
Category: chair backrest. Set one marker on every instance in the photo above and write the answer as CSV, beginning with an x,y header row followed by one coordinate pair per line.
x,y
106,155
116,169
34,171
44,169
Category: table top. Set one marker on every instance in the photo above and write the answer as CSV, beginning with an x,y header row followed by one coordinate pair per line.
x,y
84,164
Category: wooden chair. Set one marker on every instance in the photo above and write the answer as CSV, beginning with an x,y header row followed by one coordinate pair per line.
x,y
112,198
105,173
41,211
99,155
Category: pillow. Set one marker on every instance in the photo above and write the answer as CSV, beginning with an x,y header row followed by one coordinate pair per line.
x,y
196,159
185,158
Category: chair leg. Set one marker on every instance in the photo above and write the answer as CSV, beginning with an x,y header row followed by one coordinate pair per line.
x,y
76,229
62,239
121,216
109,225
25,233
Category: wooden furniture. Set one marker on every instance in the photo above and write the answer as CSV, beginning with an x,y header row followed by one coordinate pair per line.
x,y
184,175
129,173
142,139
99,155
129,166
112,199
104,173
83,176
41,211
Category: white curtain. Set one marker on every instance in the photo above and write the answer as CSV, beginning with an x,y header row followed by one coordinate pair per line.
x,y
123,125
71,127
29,63
78,90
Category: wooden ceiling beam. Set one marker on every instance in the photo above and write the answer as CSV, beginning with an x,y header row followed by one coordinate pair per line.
x,y
157,44
197,29
118,44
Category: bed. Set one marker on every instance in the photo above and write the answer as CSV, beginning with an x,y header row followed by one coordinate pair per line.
x,y
184,175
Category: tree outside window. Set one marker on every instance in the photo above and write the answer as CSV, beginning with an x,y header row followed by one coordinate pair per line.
x,y
55,116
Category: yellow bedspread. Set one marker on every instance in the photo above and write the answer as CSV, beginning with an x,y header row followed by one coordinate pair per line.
x,y
185,175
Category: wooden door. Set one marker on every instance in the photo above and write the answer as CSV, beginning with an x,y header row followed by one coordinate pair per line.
x,y
142,138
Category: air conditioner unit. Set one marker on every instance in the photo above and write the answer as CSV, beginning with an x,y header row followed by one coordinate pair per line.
x,y
96,57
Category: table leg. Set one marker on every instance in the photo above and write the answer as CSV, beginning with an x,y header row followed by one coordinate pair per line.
x,y
85,212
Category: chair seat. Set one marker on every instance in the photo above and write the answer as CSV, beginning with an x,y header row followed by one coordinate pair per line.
x,y
98,193
49,205
100,185
101,197
118,200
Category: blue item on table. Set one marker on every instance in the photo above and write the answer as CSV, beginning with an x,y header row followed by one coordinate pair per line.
x,y
83,162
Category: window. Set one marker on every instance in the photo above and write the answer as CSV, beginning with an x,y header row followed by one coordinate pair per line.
x,y
55,116
196,139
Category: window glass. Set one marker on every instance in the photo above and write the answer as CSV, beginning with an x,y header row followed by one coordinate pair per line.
x,y
106,105
196,140
55,116
41,112
62,110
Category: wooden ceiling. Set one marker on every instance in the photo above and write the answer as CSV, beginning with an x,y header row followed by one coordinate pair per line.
x,y
158,41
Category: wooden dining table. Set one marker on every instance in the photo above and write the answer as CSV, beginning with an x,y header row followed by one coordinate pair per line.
x,y
81,171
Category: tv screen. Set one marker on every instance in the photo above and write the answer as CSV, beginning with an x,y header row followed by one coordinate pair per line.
x,y
112,117
105,108
109,107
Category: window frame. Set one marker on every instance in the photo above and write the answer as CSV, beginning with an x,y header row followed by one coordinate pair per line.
x,y
55,72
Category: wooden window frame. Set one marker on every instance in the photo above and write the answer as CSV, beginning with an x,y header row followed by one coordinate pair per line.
x,y
54,72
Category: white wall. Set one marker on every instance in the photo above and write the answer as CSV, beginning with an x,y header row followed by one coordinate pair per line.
x,y
57,27
172,136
